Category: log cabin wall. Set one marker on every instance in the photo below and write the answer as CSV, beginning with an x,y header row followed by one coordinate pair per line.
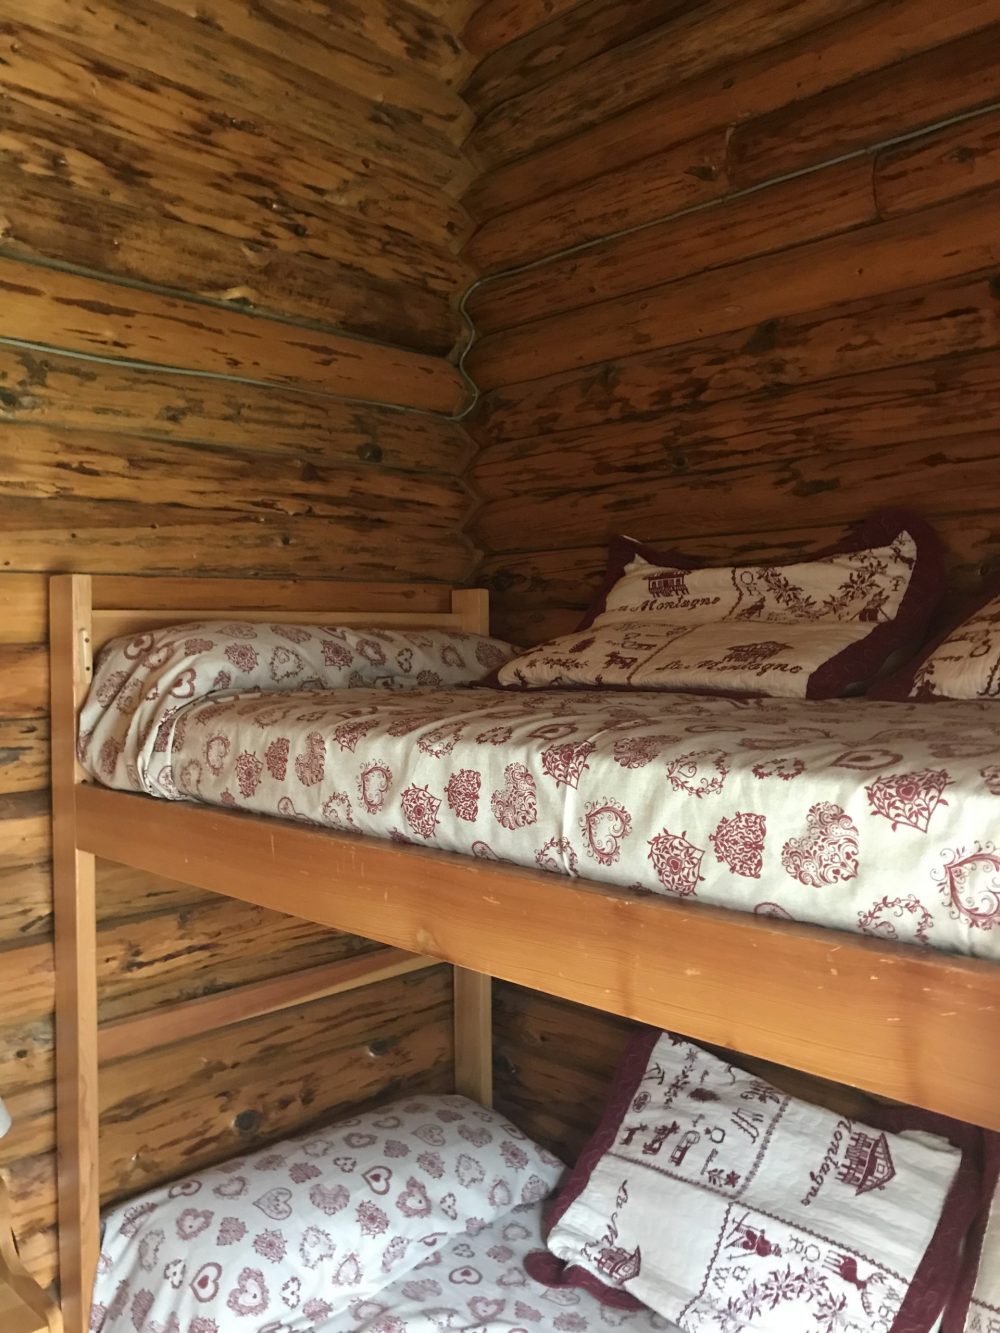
x,y
741,283
781,308
229,272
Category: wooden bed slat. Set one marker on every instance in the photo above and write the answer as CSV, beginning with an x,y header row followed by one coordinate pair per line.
x,y
160,1027
904,1023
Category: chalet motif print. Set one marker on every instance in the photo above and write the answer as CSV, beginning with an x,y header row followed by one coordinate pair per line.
x,y
867,1164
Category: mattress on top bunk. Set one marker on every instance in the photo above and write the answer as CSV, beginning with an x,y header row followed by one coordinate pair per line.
x,y
876,818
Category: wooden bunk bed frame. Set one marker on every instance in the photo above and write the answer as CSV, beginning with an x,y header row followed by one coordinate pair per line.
x,y
897,1021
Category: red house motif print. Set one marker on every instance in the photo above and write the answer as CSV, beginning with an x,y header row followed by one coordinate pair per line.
x,y
867,1163
669,585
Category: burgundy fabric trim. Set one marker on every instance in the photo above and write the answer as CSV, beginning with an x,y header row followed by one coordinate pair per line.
x,y
957,1313
939,1275
899,685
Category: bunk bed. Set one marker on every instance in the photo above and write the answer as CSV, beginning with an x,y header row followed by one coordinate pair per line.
x,y
901,1022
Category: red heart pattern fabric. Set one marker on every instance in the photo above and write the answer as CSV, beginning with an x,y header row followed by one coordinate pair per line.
x,y
141,683
790,806
290,1236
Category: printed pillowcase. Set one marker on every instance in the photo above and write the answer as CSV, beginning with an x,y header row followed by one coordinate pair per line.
x,y
142,683
962,663
817,629
723,1204
288,1236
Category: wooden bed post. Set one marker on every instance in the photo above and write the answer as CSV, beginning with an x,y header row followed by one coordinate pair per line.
x,y
473,990
70,617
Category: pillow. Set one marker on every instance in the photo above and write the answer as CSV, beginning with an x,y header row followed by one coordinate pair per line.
x,y
963,662
140,684
815,629
723,1203
300,1230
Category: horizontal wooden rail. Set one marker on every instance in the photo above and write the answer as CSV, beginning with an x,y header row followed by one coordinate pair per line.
x,y
905,1023
160,1027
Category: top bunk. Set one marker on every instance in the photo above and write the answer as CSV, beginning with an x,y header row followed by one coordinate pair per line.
x,y
902,1022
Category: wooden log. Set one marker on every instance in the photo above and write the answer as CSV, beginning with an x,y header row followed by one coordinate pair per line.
x,y
123,893
24,616
57,220
765,61
86,466
191,1104
934,245
946,81
897,329
23,680
420,35
825,203
952,396
300,198
950,476
24,750
143,46
286,34
108,536
167,956
953,162
79,314
681,177
609,84
56,390
551,48
25,835
25,904
496,23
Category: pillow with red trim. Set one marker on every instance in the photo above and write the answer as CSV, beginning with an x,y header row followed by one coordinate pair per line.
x,y
816,629
963,662
723,1203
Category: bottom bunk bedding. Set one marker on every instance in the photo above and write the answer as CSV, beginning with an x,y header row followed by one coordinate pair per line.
x,y
876,818
416,1217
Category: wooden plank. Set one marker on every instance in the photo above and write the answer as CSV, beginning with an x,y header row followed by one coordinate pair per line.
x,y
173,1110
50,389
561,38
739,981
473,1020
143,48
934,245
681,177
898,329
946,81
826,203
956,161
23,608
288,596
108,536
94,467
81,314
76,964
24,749
166,1025
756,61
